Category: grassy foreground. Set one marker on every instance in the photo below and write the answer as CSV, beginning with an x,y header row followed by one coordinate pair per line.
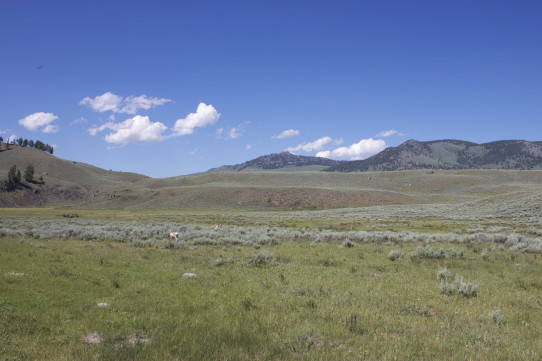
x,y
84,300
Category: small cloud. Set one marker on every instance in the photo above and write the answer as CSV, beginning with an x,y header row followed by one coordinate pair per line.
x,y
40,122
132,103
103,103
389,133
4,131
193,152
79,120
360,150
137,130
117,104
232,133
311,146
205,115
248,147
286,134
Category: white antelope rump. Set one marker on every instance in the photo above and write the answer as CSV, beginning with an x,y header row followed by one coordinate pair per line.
x,y
173,235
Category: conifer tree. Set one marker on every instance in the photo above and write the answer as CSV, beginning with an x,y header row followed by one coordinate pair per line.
x,y
11,183
29,173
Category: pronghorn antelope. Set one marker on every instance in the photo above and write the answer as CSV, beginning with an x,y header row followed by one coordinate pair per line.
x,y
173,235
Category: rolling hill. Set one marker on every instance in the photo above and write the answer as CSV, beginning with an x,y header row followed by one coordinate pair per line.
x,y
65,182
72,184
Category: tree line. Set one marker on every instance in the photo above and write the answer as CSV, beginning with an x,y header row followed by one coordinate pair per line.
x,y
38,144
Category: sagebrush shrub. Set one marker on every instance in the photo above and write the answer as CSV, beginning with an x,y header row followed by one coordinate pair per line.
x,y
446,288
465,289
428,253
496,316
348,244
394,255
452,253
261,258
443,274
219,261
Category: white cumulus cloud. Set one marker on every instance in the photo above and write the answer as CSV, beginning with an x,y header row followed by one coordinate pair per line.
x,y
205,115
286,134
117,104
360,150
311,146
137,130
40,122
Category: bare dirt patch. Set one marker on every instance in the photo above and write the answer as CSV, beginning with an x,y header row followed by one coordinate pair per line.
x,y
93,338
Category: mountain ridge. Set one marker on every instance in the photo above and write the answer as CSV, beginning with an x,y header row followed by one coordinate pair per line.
x,y
450,154
277,161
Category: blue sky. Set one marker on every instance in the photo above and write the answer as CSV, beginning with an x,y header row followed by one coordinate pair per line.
x,y
167,88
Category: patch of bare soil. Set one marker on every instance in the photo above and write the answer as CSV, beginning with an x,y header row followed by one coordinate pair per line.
x,y
93,338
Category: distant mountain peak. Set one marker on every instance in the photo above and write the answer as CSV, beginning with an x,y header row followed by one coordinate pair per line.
x,y
277,161
450,154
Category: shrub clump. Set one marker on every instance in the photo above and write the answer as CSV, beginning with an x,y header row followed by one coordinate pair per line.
x,y
427,252
465,289
496,316
219,261
394,255
444,276
261,258
348,244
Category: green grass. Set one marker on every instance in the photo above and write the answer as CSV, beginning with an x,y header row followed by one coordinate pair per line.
x,y
320,301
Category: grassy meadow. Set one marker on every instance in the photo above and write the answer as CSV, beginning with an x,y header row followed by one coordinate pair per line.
x,y
322,285
410,265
